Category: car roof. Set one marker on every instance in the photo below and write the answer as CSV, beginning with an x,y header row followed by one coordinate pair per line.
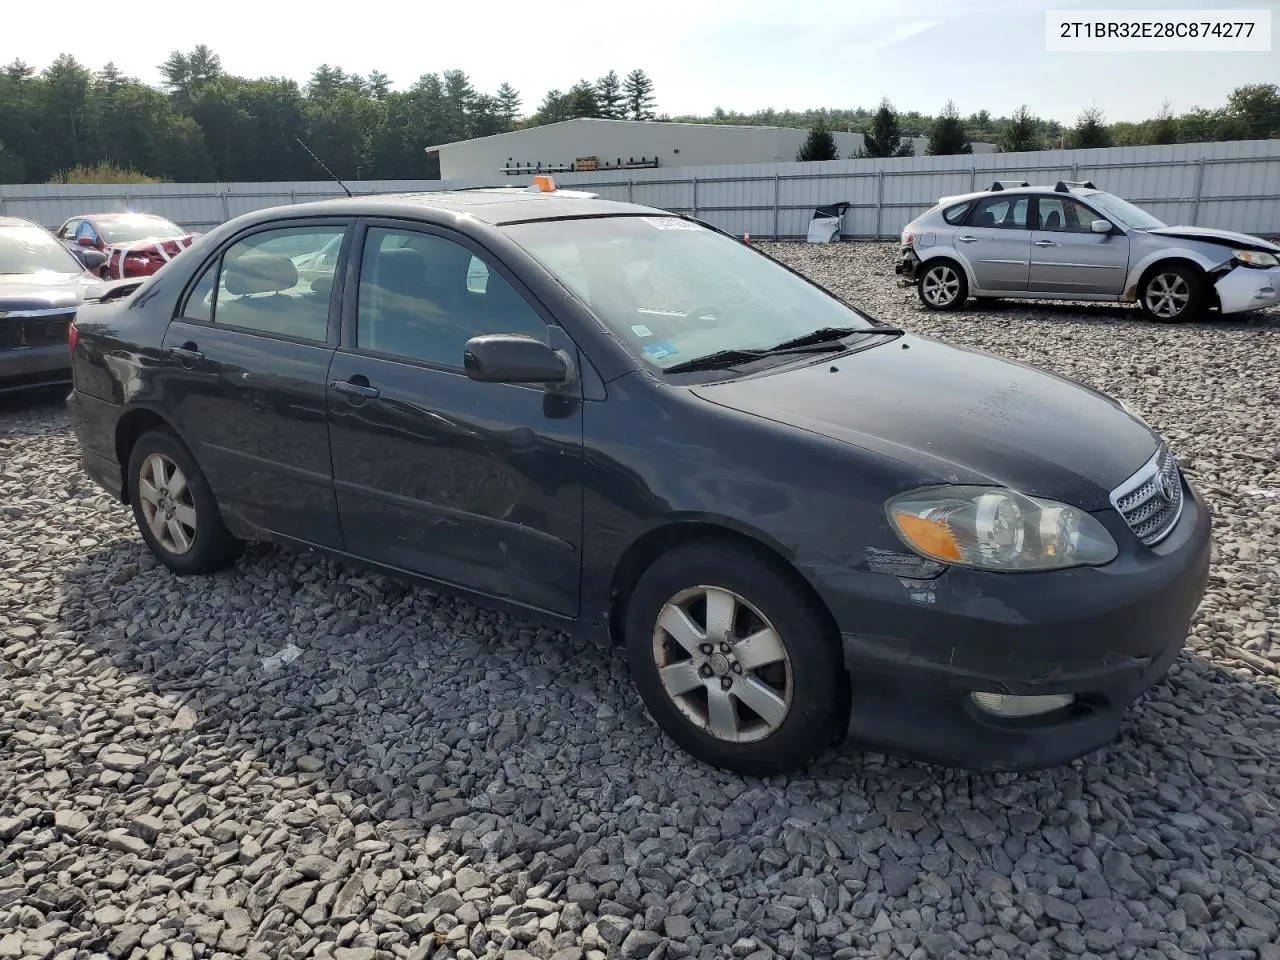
x,y
1068,187
490,205
118,215
18,222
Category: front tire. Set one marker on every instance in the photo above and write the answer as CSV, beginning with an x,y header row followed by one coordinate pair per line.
x,y
174,508
1172,293
733,661
942,285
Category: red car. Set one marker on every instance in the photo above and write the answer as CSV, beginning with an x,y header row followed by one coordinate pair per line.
x,y
136,244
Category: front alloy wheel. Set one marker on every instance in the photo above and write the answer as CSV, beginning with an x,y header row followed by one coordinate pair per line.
x,y
1172,294
723,664
942,286
734,659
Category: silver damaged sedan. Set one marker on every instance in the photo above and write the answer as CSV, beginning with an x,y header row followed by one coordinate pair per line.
x,y
1072,241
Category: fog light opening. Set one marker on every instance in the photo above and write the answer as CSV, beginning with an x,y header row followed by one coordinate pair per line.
x,y
1008,705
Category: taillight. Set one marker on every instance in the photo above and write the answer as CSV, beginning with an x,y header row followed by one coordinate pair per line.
x,y
73,336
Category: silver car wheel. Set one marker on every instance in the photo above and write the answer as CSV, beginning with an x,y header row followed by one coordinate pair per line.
x,y
167,505
1167,295
723,664
940,285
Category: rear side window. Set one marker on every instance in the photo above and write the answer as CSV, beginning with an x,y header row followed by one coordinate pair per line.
x,y
276,282
1007,213
954,215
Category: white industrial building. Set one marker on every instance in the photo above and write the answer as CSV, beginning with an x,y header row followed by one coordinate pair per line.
x,y
590,144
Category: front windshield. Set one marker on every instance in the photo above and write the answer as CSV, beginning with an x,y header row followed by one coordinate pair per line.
x,y
674,290
1124,212
30,250
132,229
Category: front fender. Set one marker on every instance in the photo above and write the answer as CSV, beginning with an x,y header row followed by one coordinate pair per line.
x,y
1206,260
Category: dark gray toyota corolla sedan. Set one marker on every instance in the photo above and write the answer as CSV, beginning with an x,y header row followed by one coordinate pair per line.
x,y
804,526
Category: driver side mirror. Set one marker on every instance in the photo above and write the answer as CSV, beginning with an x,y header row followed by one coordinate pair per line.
x,y
513,358
1101,226
93,259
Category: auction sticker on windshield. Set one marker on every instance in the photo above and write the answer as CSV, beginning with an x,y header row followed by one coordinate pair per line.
x,y
660,350
670,223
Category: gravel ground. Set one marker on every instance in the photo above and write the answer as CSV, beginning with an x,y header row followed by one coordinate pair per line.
x,y
297,759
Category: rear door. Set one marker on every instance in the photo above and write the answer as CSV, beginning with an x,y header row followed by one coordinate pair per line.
x,y
249,356
1067,257
474,484
997,243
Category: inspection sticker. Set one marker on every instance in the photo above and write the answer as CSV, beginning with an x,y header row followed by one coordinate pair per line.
x,y
640,330
670,223
659,350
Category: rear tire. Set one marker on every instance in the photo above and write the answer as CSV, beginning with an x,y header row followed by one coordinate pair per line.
x,y
942,285
733,661
1172,293
174,508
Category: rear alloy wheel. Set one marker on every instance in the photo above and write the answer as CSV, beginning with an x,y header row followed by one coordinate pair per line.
x,y
942,286
175,509
1172,294
732,660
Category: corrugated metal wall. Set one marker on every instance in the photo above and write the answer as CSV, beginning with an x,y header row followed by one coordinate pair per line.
x,y
1233,185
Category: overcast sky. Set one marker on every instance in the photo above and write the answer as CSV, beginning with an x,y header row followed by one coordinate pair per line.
x,y
739,54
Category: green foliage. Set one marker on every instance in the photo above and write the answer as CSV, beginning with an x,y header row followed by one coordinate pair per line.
x,y
1018,133
820,144
947,135
884,138
637,92
1090,130
102,173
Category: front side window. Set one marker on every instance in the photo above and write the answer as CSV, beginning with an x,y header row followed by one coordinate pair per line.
x,y
673,290
422,297
261,286
1005,213
1059,214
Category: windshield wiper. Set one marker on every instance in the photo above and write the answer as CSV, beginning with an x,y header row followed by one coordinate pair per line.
x,y
828,334
729,358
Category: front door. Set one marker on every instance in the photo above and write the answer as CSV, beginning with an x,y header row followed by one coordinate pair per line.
x,y
474,484
996,242
248,360
1067,257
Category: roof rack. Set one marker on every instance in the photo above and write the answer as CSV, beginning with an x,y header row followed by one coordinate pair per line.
x,y
1001,184
1064,186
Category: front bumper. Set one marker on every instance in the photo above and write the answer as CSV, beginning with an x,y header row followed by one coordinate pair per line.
x,y
917,649
907,268
1248,288
27,368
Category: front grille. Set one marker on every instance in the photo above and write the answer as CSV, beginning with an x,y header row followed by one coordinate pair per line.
x,y
38,331
1151,500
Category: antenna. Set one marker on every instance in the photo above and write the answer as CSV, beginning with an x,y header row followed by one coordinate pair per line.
x,y
326,169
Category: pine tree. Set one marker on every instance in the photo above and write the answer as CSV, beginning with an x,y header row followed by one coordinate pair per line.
x,y
638,91
884,139
508,106
947,135
1090,130
1019,134
1164,129
820,144
379,85
582,100
609,96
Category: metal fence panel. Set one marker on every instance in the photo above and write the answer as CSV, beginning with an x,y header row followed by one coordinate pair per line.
x,y
1234,185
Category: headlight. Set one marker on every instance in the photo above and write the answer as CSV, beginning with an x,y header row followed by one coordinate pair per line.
x,y
1256,258
992,528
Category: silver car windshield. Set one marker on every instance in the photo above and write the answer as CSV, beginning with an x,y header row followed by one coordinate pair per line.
x,y
1125,213
30,250
673,290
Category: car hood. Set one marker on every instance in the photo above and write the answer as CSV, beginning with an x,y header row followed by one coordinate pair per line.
x,y
43,292
1226,238
956,415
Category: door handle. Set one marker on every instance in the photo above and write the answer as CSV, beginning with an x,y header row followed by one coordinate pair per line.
x,y
966,239
186,353
361,390
1046,243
